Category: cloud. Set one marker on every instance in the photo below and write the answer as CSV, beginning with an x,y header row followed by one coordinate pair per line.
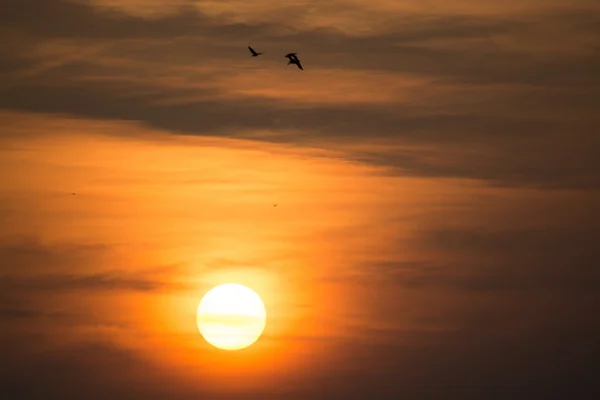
x,y
543,365
14,312
106,281
93,370
80,20
190,37
553,262
429,373
17,313
33,266
492,148
32,256
500,95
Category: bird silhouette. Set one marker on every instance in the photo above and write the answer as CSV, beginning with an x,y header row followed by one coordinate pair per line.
x,y
293,59
254,53
274,205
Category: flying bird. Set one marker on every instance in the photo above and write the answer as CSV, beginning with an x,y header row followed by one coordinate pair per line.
x,y
294,60
254,53
274,205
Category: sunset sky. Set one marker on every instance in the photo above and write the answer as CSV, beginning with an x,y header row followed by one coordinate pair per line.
x,y
436,170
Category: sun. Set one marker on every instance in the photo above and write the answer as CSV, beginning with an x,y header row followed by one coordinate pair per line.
x,y
231,316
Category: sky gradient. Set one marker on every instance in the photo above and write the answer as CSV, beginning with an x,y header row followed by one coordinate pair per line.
x,y
436,169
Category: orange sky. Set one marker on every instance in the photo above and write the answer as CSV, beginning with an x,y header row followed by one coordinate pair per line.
x,y
434,169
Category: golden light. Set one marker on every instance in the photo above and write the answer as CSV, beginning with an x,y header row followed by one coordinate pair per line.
x,y
231,317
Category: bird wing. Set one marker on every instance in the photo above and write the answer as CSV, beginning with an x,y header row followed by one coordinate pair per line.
x,y
291,56
252,50
299,65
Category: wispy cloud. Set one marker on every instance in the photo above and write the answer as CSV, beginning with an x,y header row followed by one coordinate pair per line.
x,y
33,266
94,282
511,86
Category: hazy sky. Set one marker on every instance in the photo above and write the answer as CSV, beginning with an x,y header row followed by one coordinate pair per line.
x,y
436,168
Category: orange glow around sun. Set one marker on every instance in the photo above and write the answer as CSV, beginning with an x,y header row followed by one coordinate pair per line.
x,y
214,224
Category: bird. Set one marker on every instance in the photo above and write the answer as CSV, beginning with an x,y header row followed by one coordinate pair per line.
x,y
254,53
274,205
294,60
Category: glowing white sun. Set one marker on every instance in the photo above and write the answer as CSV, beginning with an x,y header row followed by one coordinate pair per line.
x,y
231,317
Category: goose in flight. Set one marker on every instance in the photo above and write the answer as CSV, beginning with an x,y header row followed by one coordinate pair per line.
x,y
254,53
294,60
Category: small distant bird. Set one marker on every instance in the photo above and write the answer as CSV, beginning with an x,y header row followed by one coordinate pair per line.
x,y
254,53
294,60
274,205
72,194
